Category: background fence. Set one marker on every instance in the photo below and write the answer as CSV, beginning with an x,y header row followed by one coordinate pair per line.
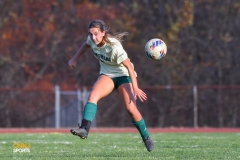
x,y
203,48
167,106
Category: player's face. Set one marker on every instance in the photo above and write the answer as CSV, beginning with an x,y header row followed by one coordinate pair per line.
x,y
96,35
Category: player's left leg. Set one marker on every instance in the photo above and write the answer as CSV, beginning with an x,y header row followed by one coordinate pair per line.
x,y
126,93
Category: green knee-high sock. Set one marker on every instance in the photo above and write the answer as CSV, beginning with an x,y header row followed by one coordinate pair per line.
x,y
89,112
140,125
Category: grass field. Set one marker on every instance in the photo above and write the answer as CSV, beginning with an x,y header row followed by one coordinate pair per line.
x,y
124,146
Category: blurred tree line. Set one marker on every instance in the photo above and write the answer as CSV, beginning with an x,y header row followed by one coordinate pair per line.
x,y
39,37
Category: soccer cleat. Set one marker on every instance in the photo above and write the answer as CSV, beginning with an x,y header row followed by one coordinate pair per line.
x,y
81,132
148,143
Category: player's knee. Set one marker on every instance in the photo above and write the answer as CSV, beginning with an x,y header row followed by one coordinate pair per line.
x,y
93,97
132,110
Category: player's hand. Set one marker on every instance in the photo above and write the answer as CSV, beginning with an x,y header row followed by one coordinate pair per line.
x,y
138,93
72,63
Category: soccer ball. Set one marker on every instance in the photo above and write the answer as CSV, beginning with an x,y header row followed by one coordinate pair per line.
x,y
155,48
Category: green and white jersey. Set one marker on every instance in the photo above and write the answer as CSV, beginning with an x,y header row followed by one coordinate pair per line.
x,y
110,58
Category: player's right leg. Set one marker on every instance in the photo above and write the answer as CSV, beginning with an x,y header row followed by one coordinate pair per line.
x,y
102,87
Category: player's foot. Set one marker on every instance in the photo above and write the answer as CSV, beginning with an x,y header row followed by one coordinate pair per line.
x,y
148,143
81,132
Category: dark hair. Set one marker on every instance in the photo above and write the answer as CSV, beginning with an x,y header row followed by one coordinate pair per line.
x,y
103,27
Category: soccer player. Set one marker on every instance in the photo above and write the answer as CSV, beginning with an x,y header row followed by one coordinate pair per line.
x,y
116,72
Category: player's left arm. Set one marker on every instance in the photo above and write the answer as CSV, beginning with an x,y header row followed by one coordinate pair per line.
x,y
137,92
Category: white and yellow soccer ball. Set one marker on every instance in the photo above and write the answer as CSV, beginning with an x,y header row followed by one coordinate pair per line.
x,y
156,48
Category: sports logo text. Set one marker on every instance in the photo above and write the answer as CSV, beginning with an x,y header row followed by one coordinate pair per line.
x,y
21,147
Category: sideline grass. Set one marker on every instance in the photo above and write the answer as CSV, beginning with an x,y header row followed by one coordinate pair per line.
x,y
124,146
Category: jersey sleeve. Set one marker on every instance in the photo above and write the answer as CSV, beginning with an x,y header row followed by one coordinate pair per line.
x,y
89,41
121,54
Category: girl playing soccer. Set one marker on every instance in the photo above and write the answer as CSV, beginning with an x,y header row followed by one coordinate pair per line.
x,y
116,72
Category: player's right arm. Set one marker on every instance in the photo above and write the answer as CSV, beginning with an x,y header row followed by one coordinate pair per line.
x,y
72,63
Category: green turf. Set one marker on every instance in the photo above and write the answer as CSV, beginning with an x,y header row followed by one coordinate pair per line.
x,y
128,146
